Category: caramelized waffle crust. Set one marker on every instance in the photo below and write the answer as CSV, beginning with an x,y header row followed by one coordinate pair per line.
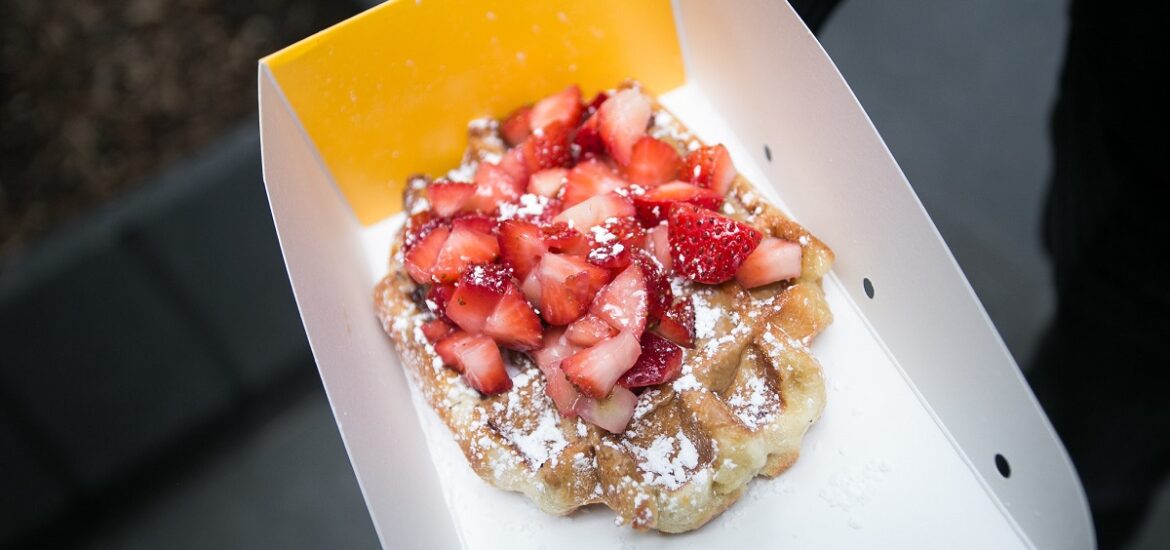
x,y
749,390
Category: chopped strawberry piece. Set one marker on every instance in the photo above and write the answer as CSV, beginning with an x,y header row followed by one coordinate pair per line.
x,y
774,260
548,148
513,323
588,139
515,127
652,161
678,324
417,227
476,222
613,243
446,347
521,245
660,361
709,167
611,414
482,365
563,107
547,183
658,244
565,290
436,329
479,290
657,286
493,185
594,105
621,120
468,244
654,205
448,197
559,237
595,211
589,330
708,247
531,287
514,165
596,276
588,179
438,297
623,303
421,258
554,348
595,370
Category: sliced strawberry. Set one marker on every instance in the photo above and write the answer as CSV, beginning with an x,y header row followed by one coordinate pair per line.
x,y
482,365
514,165
659,362
709,167
521,246
774,260
588,179
468,244
421,259
476,222
613,242
446,348
493,185
654,204
708,247
554,348
678,324
515,127
595,211
563,107
513,323
547,183
658,244
530,287
565,290
417,227
479,290
448,197
589,330
548,148
596,276
621,120
658,291
611,414
594,105
652,161
560,238
595,370
436,329
588,139
437,298
623,303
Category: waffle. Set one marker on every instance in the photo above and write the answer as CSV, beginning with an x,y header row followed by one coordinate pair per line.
x,y
749,390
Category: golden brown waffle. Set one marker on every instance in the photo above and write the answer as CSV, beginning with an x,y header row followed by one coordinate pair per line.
x,y
748,392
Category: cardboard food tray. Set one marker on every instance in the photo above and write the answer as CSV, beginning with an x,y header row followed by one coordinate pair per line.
x,y
922,394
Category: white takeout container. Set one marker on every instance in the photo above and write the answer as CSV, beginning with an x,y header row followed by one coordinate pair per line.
x,y
922,393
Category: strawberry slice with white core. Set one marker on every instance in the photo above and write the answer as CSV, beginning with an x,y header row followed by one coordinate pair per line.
x,y
548,147
514,129
563,107
659,362
708,247
482,365
595,370
493,185
654,205
615,241
446,347
709,167
479,290
621,120
547,183
554,348
678,324
624,302
448,197
436,329
589,330
521,246
530,286
512,323
514,165
611,414
559,237
658,244
773,260
437,298
660,296
470,242
652,161
595,211
596,276
421,258
590,178
565,289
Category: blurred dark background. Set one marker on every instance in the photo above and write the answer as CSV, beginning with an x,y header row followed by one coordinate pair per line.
x,y
156,388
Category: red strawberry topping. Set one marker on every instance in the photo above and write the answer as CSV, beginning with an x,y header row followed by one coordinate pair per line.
x,y
515,127
678,324
563,107
548,148
421,258
448,197
621,120
521,246
613,242
493,185
559,237
660,361
589,330
475,298
611,414
588,179
708,247
774,260
437,298
588,139
436,329
547,183
595,370
470,242
623,303
482,365
709,167
554,348
512,323
652,161
595,211
657,286
658,245
654,204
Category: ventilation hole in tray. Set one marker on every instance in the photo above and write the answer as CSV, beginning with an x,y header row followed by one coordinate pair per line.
x,y
768,153
1002,465
868,286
